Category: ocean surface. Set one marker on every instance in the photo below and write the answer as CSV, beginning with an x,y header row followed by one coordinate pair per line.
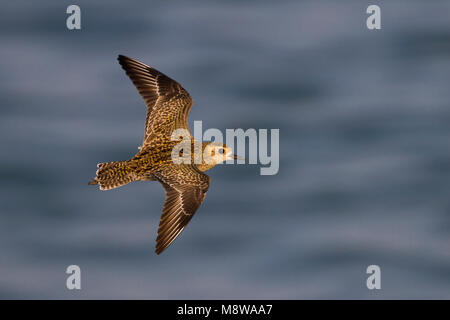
x,y
364,177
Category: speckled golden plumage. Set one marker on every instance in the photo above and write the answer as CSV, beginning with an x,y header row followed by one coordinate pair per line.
x,y
168,105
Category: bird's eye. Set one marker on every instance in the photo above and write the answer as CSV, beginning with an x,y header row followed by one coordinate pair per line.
x,y
221,151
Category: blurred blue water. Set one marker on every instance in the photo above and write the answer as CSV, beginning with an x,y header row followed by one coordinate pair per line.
x,y
364,119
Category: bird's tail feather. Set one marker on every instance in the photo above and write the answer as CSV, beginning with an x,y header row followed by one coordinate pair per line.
x,y
114,174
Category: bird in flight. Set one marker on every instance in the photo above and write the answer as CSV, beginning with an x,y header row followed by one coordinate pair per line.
x,y
185,183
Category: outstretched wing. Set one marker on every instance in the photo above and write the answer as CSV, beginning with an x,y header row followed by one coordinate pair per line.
x,y
186,188
168,103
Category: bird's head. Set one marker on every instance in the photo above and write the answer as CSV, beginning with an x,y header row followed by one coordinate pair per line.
x,y
217,152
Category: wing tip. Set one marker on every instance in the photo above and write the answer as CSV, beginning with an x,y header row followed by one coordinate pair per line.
x,y
159,248
127,62
121,58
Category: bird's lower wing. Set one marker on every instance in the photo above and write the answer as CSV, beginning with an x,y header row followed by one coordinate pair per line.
x,y
186,188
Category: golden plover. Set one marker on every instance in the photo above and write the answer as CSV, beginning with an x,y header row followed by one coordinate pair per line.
x,y
168,105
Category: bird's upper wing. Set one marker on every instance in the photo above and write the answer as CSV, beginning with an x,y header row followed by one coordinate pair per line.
x,y
186,188
168,103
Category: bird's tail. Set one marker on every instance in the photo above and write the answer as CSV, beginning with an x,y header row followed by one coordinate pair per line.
x,y
114,174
